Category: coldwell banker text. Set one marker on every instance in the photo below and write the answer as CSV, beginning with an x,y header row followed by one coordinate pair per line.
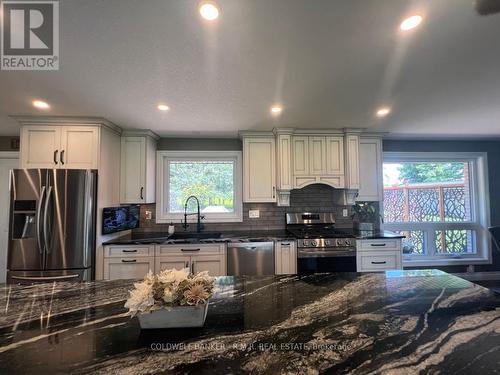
x,y
30,35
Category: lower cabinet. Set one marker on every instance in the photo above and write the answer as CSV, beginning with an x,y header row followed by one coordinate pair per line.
x,y
127,268
135,261
379,255
285,257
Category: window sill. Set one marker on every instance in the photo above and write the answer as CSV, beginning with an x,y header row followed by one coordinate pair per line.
x,y
443,262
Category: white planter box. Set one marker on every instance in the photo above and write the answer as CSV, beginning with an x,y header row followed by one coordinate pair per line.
x,y
177,317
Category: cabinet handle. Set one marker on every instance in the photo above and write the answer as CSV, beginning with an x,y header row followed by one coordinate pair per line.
x,y
62,157
285,244
55,156
378,244
187,264
129,251
274,192
142,192
129,261
192,267
190,250
384,262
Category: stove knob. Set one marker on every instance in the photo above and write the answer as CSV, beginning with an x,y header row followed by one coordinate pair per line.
x,y
327,242
338,242
314,243
306,242
348,242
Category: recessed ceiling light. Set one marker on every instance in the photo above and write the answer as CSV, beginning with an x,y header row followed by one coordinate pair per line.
x,y
384,111
411,22
163,107
40,104
276,110
209,10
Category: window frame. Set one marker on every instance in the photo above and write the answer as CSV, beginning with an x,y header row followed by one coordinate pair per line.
x,y
480,211
163,158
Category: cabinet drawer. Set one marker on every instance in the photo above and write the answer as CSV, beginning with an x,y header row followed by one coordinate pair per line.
x,y
128,251
378,261
382,244
127,268
190,249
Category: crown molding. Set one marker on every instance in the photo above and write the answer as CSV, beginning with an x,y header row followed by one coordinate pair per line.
x,y
67,121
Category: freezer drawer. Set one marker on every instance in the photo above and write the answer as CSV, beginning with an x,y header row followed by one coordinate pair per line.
x,y
252,258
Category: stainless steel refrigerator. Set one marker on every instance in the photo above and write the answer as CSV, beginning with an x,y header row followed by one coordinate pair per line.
x,y
52,225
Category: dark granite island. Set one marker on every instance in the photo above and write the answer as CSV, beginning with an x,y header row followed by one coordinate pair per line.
x,y
396,322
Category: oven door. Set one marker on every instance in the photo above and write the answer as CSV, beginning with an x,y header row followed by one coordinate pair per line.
x,y
318,260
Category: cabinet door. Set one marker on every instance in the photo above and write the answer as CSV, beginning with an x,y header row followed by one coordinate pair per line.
x,y
300,156
370,170
133,168
317,156
259,179
334,156
127,268
352,161
284,154
214,264
169,262
79,147
40,146
286,258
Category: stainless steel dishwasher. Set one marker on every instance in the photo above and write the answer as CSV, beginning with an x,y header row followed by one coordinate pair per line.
x,y
250,258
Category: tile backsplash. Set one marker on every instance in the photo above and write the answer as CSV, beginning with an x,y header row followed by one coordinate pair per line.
x,y
314,198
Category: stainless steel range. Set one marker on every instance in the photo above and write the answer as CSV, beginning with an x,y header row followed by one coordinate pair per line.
x,y
321,247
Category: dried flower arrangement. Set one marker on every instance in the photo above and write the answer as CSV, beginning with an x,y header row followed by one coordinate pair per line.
x,y
168,289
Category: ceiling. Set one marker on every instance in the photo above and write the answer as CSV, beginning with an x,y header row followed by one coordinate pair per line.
x,y
330,63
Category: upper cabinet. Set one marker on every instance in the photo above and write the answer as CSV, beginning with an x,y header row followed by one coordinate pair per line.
x,y
370,166
259,168
65,147
352,175
138,167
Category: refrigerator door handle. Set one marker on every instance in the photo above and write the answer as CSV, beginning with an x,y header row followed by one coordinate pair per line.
x,y
39,221
45,216
44,278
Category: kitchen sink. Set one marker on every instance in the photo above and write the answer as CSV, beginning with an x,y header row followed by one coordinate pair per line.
x,y
195,236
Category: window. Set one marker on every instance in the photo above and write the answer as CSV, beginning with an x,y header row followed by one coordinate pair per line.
x,y
214,177
439,201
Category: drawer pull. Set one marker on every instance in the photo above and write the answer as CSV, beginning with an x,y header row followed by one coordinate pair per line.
x,y
192,250
384,262
129,261
285,244
129,251
378,244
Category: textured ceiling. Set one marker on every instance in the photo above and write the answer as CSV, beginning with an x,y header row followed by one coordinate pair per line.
x,y
330,62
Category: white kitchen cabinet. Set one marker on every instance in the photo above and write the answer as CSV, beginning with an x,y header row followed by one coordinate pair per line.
x,y
40,146
65,147
317,156
283,166
379,255
352,161
127,268
370,169
259,169
285,257
300,152
196,257
334,156
169,262
138,168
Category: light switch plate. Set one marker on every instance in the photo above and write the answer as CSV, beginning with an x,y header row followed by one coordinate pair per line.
x,y
253,214
148,215
345,212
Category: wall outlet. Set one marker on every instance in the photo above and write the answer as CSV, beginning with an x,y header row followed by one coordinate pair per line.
x,y
148,215
253,214
345,212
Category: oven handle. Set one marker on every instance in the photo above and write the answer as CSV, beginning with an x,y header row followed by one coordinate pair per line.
x,y
326,253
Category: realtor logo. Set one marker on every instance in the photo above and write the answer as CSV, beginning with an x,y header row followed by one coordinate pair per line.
x,y
29,35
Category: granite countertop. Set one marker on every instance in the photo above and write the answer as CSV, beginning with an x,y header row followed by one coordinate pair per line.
x,y
398,322
235,236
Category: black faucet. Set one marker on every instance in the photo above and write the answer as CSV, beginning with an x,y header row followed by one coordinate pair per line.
x,y
199,225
